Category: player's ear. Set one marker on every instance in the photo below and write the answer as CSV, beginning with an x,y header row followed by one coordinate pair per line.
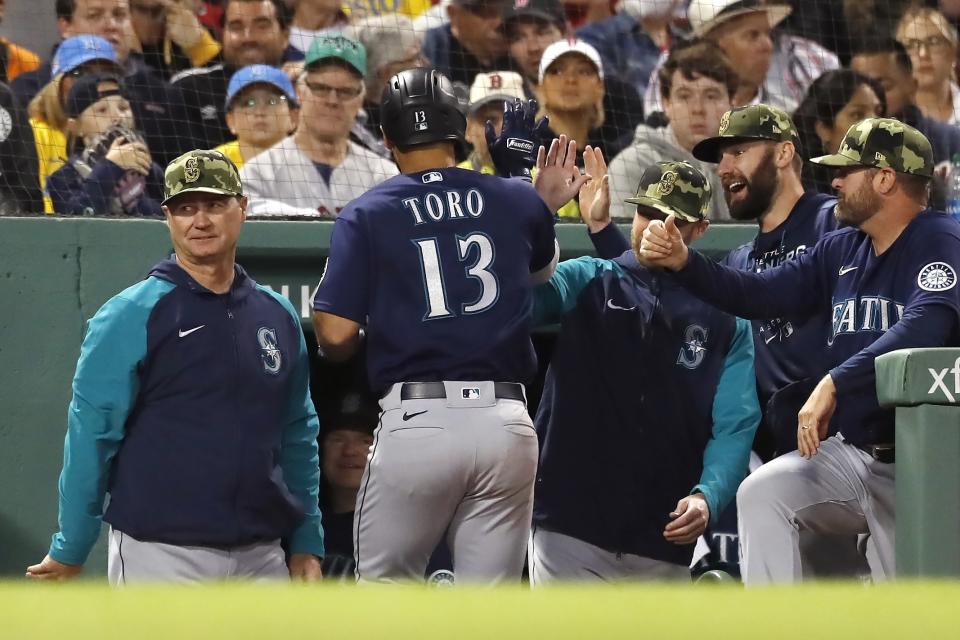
x,y
386,140
243,208
785,155
884,181
698,229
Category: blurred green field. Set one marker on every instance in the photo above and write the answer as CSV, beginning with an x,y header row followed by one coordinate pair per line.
x,y
852,611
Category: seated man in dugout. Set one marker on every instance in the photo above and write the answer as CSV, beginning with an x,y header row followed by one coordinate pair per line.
x,y
262,109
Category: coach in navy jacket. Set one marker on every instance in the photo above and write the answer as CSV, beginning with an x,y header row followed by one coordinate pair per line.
x,y
648,410
191,408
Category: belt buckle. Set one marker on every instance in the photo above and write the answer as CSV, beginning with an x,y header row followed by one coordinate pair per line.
x,y
885,453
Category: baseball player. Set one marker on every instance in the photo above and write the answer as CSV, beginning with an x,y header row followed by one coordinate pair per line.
x,y
649,406
191,407
437,266
758,159
886,283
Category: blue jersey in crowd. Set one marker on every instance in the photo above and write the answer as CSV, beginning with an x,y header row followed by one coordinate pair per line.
x,y
193,410
905,297
437,266
650,396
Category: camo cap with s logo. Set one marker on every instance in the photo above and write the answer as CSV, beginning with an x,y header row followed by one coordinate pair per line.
x,y
753,122
205,171
884,143
674,187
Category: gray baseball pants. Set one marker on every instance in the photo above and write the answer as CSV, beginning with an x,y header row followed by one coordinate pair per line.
x,y
842,490
464,465
557,557
132,561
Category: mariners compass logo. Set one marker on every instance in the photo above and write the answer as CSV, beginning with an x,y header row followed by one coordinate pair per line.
x,y
937,276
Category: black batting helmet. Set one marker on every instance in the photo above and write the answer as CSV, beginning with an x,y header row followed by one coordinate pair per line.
x,y
420,106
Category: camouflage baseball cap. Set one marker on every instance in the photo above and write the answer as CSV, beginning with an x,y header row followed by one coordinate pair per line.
x,y
204,171
674,187
753,122
883,143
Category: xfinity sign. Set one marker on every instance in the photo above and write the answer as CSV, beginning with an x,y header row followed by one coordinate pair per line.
x,y
949,386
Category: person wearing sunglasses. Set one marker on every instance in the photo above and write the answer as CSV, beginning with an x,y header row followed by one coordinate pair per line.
x,y
318,170
262,109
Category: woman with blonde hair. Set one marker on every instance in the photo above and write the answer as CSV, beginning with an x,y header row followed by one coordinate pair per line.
x,y
75,57
931,41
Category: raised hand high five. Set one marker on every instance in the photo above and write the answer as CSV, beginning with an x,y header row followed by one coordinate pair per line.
x,y
595,193
514,151
558,178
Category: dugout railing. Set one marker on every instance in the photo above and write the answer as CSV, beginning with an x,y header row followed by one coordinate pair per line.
x,y
924,386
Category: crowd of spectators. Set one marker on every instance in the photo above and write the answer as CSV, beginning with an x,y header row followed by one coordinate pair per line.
x,y
290,89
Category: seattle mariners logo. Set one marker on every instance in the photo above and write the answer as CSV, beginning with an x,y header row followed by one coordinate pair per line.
x,y
667,182
693,350
724,123
191,170
937,276
271,353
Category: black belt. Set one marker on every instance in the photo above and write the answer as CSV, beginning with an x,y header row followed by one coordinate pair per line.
x,y
436,390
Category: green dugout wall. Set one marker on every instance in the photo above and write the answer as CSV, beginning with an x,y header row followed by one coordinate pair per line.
x,y
56,272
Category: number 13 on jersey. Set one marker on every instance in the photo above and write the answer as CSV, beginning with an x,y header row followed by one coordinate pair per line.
x,y
478,244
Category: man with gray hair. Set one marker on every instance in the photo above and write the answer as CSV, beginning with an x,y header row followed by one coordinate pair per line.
x,y
392,46
319,169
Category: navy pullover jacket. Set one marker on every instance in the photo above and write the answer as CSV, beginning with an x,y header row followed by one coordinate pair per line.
x,y
192,410
650,397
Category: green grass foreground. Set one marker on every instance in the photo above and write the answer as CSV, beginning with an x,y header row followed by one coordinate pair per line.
x,y
851,611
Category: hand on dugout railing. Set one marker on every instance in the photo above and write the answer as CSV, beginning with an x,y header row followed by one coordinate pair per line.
x,y
132,156
514,151
662,245
558,178
595,193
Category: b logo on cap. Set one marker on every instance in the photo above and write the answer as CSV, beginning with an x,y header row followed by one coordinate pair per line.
x,y
191,170
667,182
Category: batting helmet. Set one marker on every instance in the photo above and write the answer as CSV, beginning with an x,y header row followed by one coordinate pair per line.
x,y
419,107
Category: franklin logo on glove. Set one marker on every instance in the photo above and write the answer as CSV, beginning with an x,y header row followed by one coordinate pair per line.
x,y
518,144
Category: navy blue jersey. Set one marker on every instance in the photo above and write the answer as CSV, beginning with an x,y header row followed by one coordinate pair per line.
x,y
437,266
788,349
905,297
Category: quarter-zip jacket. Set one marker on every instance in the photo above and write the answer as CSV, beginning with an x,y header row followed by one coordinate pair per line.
x,y
192,410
